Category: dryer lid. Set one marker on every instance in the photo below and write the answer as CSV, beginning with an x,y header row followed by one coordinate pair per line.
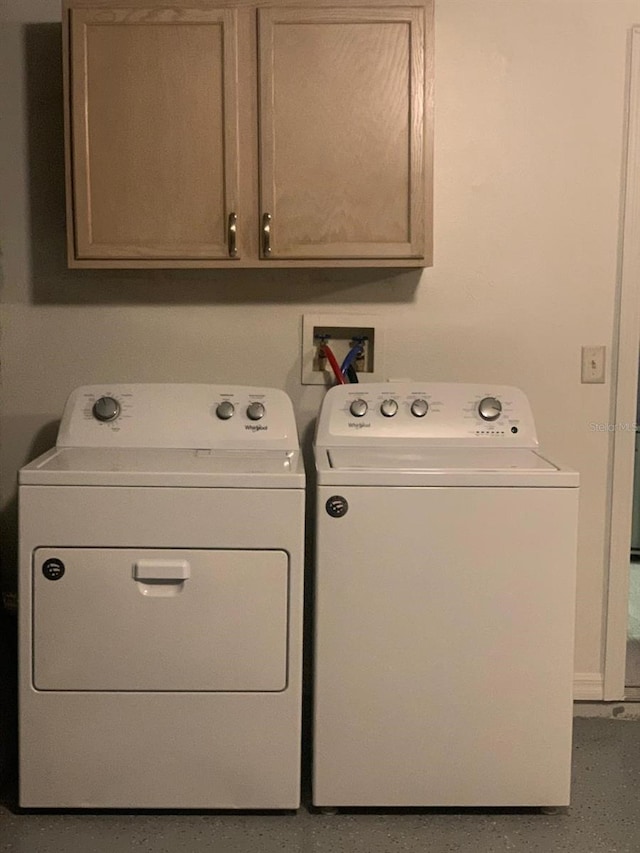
x,y
128,466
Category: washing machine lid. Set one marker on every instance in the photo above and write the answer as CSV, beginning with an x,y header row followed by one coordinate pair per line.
x,y
439,466
135,466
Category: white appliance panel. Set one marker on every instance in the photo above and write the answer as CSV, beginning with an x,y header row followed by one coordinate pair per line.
x,y
449,415
179,415
208,620
160,751
444,647
142,517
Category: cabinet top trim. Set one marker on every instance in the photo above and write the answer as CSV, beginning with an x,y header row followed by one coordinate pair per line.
x,y
67,5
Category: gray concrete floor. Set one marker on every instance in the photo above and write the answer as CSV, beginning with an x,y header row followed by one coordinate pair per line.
x,y
604,816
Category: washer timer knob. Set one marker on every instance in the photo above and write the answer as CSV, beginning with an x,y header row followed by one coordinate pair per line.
x,y
225,410
389,408
419,408
255,411
490,409
358,408
106,409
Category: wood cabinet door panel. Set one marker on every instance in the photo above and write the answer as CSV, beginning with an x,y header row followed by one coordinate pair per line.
x,y
342,107
154,130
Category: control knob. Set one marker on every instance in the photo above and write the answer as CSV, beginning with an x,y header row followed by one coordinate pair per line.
x,y
106,409
255,411
419,408
225,410
358,408
489,409
389,408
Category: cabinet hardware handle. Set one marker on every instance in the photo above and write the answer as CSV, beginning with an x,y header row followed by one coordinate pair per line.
x,y
266,234
233,235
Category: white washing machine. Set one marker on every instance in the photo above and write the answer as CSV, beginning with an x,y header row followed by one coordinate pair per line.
x,y
445,586
161,574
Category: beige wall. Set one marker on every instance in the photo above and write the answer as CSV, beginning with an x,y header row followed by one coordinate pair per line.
x,y
528,154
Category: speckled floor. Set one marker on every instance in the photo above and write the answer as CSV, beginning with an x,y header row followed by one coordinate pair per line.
x,y
605,816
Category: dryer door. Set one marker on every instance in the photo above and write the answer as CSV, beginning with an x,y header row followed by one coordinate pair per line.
x,y
148,619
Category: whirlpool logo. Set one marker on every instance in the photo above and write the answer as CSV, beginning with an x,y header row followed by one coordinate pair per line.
x,y
256,427
358,425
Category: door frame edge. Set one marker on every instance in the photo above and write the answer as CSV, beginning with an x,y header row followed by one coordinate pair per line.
x,y
624,378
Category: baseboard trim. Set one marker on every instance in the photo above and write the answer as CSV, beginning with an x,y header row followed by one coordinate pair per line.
x,y
588,687
607,710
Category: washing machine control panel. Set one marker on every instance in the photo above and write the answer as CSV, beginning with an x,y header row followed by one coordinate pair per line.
x,y
175,415
426,413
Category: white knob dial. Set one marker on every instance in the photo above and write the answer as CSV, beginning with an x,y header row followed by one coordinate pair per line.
x,y
255,411
419,408
225,410
389,408
106,409
358,408
490,409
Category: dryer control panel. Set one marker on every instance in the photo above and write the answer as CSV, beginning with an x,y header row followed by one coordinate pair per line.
x,y
436,413
191,416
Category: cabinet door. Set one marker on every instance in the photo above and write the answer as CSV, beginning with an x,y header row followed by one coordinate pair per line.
x,y
154,131
342,132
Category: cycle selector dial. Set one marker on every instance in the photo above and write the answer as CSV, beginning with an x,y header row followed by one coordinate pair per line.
x,y
419,408
389,408
255,411
225,410
359,408
106,409
490,409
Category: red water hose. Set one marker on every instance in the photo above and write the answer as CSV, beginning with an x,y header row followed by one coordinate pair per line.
x,y
327,352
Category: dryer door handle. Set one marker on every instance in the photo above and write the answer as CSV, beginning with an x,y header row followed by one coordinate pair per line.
x,y
161,570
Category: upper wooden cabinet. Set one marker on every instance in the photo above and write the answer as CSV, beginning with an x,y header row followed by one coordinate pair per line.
x,y
229,135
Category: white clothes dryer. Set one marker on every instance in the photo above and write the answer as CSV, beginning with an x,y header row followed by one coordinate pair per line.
x,y
161,575
445,587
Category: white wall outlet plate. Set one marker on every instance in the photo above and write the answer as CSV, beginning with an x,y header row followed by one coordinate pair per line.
x,y
340,330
